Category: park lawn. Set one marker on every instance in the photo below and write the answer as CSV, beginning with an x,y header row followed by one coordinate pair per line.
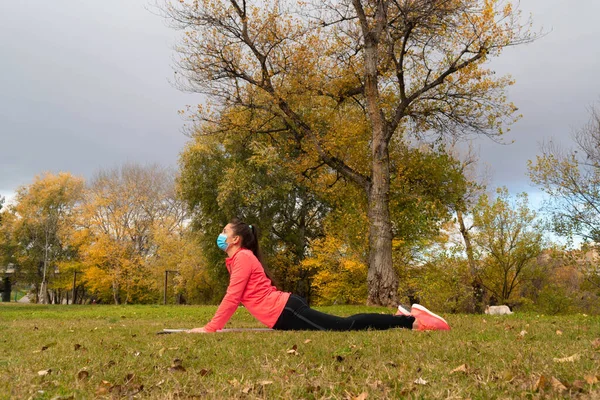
x,y
101,351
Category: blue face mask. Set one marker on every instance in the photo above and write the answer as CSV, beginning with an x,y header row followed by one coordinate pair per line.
x,y
222,242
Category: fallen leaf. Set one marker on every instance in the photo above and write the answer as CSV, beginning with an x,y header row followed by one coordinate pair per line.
x,y
265,383
523,333
361,396
204,372
292,351
44,372
177,365
557,385
559,332
572,358
137,354
420,381
77,346
101,391
590,379
339,358
161,352
83,374
460,368
541,383
307,341
246,389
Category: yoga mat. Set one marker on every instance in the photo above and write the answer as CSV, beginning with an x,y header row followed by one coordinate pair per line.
x,y
179,330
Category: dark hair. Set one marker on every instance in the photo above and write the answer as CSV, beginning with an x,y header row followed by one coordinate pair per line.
x,y
249,235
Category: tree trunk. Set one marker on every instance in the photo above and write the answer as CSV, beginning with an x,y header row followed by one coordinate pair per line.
x,y
116,296
382,278
43,294
478,290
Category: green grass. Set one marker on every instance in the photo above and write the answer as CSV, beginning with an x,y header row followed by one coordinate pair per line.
x,y
112,352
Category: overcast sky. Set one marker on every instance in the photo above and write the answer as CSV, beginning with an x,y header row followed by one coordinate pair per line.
x,y
84,85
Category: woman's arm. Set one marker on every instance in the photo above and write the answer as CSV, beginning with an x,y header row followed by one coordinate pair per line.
x,y
240,274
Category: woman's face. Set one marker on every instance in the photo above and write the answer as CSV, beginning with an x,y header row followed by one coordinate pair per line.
x,y
231,237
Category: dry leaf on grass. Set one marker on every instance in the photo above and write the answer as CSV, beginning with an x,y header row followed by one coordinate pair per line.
x,y
361,396
541,383
544,382
307,341
83,374
461,368
559,332
177,365
572,358
103,388
44,372
420,381
293,350
557,385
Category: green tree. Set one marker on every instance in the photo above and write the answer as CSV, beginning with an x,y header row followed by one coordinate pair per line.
x,y
571,178
243,176
342,81
508,238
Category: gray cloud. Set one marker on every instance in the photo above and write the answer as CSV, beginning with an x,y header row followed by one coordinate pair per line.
x,y
85,86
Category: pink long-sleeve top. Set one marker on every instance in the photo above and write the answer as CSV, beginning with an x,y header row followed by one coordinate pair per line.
x,y
249,285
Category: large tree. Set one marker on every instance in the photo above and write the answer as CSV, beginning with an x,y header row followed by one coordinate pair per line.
x,y
508,238
306,70
571,178
123,208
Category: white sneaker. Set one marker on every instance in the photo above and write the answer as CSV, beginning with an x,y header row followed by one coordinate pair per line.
x,y
402,311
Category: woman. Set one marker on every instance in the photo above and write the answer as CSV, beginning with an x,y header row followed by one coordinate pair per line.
x,y
249,285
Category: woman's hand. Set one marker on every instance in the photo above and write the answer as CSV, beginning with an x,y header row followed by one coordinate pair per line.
x,y
197,330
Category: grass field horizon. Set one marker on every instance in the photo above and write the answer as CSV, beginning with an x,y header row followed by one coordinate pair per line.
x,y
102,351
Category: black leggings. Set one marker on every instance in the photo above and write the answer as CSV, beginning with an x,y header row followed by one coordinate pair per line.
x,y
298,316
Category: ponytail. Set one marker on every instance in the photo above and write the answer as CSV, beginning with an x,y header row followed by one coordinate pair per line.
x,y
249,235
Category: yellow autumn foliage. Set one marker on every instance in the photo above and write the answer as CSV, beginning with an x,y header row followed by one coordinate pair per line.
x,y
340,274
